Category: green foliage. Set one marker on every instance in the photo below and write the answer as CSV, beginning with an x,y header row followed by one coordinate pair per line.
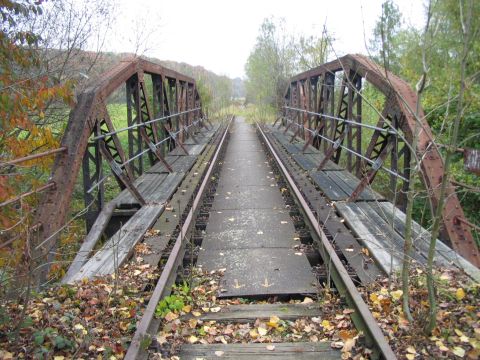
x,y
175,302
276,56
48,338
402,48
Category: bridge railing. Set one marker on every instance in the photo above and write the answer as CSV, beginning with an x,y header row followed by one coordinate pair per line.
x,y
325,107
163,109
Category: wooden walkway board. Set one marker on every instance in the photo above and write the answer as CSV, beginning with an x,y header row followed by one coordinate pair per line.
x,y
156,187
336,183
90,241
366,269
380,226
258,261
445,256
259,351
117,249
251,312
384,251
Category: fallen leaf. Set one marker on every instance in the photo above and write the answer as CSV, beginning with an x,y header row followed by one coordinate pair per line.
x,y
262,331
171,316
348,345
460,294
219,353
411,350
307,300
192,339
457,350
270,347
273,322
396,294
215,309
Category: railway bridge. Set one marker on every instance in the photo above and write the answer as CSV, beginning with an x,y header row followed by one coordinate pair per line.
x,y
280,207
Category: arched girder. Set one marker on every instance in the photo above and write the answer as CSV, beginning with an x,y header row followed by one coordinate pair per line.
x,y
88,118
401,116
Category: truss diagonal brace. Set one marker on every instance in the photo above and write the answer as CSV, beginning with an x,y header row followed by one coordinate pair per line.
x,y
333,148
368,178
117,170
175,138
314,135
154,149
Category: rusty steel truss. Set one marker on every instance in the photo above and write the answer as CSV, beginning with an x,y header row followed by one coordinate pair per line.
x,y
161,113
324,105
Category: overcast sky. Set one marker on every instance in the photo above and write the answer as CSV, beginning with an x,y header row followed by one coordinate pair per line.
x,y
219,34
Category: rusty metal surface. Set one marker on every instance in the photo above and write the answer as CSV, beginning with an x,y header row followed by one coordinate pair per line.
x,y
90,114
400,109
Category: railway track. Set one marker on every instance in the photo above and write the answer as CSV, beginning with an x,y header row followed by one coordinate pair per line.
x,y
237,302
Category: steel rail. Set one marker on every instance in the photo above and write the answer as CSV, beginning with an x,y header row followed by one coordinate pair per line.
x,y
142,124
33,156
362,317
168,271
171,136
371,162
353,123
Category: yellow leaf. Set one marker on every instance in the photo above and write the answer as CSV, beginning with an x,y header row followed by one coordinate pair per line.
x,y
396,294
253,333
192,339
457,350
410,356
60,357
192,323
262,331
460,294
411,350
187,308
273,323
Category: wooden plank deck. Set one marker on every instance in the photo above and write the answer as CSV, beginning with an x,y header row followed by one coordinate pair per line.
x,y
251,312
156,187
117,249
259,351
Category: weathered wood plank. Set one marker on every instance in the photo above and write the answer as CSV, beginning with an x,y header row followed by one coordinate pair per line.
x,y
169,220
329,187
386,231
366,269
259,351
90,240
251,312
445,255
380,249
118,248
348,182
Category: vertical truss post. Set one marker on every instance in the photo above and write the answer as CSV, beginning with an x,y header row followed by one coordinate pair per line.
x,y
354,139
135,145
328,105
92,172
342,113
